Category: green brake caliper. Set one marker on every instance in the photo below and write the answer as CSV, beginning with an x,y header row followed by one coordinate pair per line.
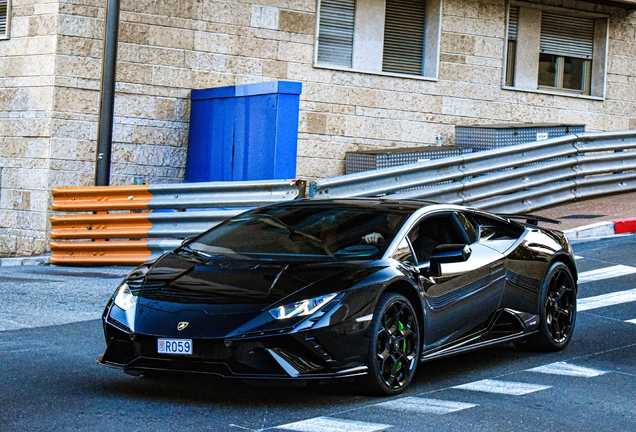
x,y
398,365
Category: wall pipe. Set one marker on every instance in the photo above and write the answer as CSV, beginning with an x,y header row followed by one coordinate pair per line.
x,y
107,95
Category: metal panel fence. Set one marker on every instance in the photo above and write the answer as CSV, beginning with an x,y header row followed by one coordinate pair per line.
x,y
130,224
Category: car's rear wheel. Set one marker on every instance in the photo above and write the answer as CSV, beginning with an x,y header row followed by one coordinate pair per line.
x,y
557,311
394,346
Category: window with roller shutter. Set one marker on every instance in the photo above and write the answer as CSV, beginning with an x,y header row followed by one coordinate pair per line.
x,y
569,51
565,52
404,37
335,32
4,19
348,36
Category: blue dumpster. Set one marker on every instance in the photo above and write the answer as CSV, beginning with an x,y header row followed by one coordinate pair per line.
x,y
245,132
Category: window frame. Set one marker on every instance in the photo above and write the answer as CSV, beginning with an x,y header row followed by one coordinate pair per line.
x,y
7,34
587,77
596,68
430,57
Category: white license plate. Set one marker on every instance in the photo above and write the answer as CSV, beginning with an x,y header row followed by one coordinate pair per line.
x,y
174,346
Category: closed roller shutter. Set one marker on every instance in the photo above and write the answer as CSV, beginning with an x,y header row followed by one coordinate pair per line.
x,y
404,36
512,23
3,17
335,32
567,35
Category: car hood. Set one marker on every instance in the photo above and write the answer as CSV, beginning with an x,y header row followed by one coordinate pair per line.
x,y
189,279
222,296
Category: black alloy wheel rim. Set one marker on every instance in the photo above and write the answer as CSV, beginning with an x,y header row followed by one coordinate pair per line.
x,y
397,345
560,307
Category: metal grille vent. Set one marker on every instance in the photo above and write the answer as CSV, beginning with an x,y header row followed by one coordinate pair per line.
x,y
335,32
567,35
404,36
512,23
3,17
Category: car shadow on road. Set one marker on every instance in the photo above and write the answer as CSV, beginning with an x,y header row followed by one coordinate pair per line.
x,y
206,389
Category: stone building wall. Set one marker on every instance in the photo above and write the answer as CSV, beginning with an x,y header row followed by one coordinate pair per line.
x,y
51,66
27,85
168,47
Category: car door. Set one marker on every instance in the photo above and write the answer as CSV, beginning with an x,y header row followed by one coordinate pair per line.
x,y
463,298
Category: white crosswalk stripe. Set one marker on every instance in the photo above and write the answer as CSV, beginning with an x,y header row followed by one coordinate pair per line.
x,y
424,406
605,273
329,424
603,300
563,368
633,321
502,387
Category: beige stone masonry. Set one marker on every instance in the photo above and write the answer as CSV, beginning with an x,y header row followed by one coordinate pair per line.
x,y
50,72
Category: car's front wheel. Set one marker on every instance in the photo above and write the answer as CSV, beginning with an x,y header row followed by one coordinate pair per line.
x,y
557,311
394,346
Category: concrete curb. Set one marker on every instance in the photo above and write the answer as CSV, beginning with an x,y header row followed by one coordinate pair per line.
x,y
39,260
593,231
602,229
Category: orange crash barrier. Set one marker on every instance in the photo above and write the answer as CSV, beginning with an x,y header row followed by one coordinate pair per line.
x,y
101,198
130,224
101,226
100,252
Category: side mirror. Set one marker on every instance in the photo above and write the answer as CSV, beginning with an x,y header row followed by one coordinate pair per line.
x,y
448,253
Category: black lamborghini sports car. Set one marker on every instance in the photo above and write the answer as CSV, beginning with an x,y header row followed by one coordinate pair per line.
x,y
347,288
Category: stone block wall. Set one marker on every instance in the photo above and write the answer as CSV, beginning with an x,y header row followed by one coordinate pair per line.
x,y
50,72
27,85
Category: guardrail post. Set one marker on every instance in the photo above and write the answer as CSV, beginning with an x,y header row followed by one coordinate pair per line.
x,y
302,188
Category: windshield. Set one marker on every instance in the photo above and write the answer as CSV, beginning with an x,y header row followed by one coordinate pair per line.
x,y
318,231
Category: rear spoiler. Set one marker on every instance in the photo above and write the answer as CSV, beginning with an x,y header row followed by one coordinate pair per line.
x,y
530,219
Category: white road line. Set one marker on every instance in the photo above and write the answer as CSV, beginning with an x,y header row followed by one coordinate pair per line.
x,y
631,321
605,273
502,387
578,257
329,424
603,300
425,406
563,368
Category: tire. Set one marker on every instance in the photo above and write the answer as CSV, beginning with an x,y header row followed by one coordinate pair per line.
x,y
394,346
557,311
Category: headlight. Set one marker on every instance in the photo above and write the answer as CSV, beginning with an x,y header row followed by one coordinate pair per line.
x,y
124,297
301,308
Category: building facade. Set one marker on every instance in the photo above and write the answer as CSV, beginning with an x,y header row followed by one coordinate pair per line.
x,y
375,74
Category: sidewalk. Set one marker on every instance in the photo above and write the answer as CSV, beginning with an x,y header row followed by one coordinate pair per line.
x,y
598,217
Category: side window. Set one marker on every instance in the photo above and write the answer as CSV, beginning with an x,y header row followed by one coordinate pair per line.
x,y
494,229
469,227
433,231
404,253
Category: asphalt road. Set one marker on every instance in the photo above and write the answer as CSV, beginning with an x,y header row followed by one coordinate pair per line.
x,y
50,337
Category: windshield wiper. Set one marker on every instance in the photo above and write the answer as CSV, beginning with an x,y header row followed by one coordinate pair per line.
x,y
273,221
194,251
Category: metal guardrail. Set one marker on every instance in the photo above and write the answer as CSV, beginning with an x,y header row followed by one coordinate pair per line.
x,y
130,224
145,214
513,179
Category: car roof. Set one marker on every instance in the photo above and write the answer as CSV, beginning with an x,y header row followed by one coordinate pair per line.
x,y
406,204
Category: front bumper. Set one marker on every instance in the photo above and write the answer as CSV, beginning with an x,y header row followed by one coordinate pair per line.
x,y
282,356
